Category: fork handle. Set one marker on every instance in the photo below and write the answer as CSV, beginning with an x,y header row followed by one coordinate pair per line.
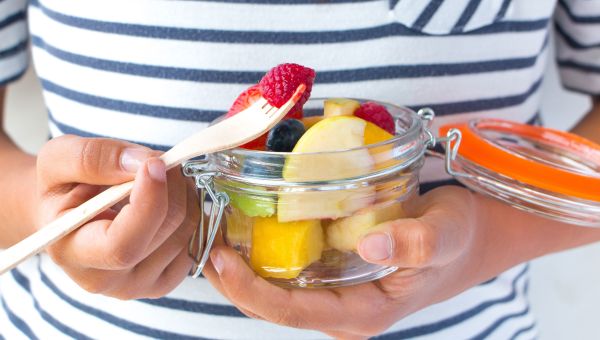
x,y
61,226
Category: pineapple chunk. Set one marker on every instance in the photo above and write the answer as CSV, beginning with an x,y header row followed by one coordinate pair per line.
x,y
283,250
340,107
344,234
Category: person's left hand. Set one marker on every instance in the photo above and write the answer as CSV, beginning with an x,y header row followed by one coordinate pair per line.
x,y
440,253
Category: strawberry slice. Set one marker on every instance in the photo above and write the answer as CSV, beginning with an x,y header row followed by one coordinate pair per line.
x,y
244,100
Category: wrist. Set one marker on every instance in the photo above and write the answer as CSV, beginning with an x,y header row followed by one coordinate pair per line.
x,y
18,196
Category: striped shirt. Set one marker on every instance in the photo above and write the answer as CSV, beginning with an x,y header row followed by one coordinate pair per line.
x,y
155,71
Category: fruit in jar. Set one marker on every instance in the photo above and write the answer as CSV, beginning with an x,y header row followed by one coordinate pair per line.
x,y
252,201
378,115
310,121
340,107
374,134
242,102
382,155
239,227
344,234
284,250
330,134
284,136
279,84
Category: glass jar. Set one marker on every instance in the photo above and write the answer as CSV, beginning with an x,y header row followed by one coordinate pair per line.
x,y
296,218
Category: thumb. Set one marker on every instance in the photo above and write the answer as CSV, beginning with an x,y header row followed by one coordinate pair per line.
x,y
72,159
411,243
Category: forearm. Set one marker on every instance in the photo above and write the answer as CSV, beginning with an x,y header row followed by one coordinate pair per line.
x,y
589,126
17,189
507,236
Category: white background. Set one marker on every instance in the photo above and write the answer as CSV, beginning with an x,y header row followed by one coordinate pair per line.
x,y
565,288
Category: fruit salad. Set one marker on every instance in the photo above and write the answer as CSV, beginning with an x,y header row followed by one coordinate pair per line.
x,y
304,206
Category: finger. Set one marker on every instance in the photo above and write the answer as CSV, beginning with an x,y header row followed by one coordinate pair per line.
x,y
316,309
72,159
182,208
433,239
122,243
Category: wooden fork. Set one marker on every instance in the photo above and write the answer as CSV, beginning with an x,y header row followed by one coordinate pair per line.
x,y
227,134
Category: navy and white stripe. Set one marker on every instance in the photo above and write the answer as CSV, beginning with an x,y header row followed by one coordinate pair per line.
x,y
13,40
578,27
153,72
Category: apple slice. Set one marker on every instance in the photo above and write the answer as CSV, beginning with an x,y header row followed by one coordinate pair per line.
x,y
322,163
340,107
345,233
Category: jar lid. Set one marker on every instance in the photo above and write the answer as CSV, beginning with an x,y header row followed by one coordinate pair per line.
x,y
549,172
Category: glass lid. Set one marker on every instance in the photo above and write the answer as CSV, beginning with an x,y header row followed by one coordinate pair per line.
x,y
549,172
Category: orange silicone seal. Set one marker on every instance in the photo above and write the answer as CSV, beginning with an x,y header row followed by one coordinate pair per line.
x,y
487,154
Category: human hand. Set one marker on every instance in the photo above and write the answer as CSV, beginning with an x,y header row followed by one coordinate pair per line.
x,y
440,253
136,249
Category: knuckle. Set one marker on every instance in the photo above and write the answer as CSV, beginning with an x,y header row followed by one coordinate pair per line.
x,y
121,258
91,153
57,256
421,245
284,316
94,286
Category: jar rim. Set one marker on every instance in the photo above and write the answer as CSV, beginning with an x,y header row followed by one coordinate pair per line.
x,y
265,168
412,133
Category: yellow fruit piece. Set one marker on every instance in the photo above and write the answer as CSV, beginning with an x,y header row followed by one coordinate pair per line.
x,y
330,134
374,134
382,155
283,250
310,121
239,227
340,107
344,234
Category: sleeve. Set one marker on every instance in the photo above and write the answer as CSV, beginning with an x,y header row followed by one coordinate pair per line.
x,y
13,40
577,29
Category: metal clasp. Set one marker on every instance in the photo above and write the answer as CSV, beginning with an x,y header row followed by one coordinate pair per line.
x,y
451,141
198,248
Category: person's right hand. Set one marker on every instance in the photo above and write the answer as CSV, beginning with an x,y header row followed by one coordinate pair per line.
x,y
137,249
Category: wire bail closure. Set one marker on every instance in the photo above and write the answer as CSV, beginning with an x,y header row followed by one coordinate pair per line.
x,y
198,247
451,141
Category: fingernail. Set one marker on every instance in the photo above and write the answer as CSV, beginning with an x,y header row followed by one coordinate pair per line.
x,y
217,262
133,158
157,170
376,247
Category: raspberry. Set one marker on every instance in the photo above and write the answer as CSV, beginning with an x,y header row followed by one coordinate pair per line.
x,y
378,115
280,83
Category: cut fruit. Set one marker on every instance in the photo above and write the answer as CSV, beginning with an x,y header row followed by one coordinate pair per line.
x,y
250,204
239,228
310,121
382,155
283,250
296,206
331,134
394,189
340,107
374,134
344,234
